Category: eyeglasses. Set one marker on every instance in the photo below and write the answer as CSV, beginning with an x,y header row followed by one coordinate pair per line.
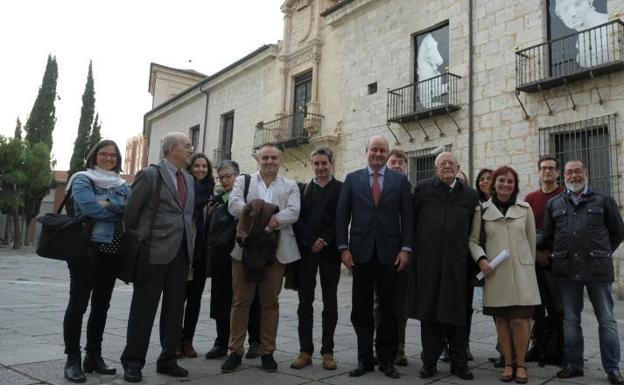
x,y
577,171
548,168
225,176
110,155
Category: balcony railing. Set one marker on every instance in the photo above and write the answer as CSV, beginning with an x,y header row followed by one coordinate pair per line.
x,y
220,154
594,51
290,131
433,96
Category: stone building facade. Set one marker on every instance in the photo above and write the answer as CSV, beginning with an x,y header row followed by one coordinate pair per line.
x,y
498,82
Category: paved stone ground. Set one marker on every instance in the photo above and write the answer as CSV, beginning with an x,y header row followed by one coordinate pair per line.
x,y
33,296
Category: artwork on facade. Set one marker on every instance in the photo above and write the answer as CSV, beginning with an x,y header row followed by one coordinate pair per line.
x,y
577,48
432,60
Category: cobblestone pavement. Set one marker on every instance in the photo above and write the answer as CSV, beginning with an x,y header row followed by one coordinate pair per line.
x,y
33,296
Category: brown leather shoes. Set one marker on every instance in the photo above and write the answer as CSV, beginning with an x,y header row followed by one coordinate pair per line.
x,y
328,362
302,361
188,350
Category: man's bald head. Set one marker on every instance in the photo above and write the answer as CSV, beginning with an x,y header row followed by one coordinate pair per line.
x,y
377,151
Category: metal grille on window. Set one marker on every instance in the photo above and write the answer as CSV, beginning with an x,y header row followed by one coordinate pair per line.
x,y
421,163
594,142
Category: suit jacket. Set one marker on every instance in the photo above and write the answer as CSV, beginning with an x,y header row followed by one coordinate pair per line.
x,y
286,197
327,206
383,229
172,223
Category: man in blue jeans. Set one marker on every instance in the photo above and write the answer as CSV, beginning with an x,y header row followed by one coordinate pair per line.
x,y
583,228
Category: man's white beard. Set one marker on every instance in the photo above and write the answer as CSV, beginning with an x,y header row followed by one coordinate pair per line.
x,y
575,187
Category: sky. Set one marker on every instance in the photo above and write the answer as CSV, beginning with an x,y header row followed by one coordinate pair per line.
x,y
122,38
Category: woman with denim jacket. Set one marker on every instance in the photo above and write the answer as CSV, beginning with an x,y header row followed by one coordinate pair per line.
x,y
98,193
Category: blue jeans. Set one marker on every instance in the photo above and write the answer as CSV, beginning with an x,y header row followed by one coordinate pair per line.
x,y
602,302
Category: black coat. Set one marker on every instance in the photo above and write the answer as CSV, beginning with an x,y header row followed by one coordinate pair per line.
x,y
304,227
203,192
583,237
220,239
439,269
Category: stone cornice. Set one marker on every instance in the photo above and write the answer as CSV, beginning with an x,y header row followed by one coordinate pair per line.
x,y
350,10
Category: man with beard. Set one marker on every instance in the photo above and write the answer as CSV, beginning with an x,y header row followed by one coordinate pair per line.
x,y
583,228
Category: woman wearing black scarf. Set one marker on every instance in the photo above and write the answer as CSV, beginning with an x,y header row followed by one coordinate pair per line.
x,y
201,169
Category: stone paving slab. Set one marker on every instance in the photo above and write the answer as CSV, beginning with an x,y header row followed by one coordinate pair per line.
x,y
34,295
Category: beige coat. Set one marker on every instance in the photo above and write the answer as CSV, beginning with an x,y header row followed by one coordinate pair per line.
x,y
513,282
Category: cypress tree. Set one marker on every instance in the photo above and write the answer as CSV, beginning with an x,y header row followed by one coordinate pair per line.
x,y
96,135
81,144
42,118
18,130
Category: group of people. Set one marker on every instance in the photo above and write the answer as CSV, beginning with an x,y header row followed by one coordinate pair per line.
x,y
413,251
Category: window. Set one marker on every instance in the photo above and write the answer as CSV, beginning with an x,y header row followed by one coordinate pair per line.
x,y
194,135
432,62
421,163
594,142
302,96
372,88
575,51
225,137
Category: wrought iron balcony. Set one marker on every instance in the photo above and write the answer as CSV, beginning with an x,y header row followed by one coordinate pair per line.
x,y
220,154
289,131
433,96
582,55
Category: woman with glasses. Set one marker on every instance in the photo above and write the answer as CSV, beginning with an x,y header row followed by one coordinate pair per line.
x,y
100,194
220,242
201,170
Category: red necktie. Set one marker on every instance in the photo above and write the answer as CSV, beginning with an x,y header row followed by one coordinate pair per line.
x,y
181,188
376,188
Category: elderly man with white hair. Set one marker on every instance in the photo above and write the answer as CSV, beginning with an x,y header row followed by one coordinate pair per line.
x,y
160,207
443,211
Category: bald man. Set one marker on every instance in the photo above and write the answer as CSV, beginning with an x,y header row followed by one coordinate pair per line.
x,y
378,246
443,210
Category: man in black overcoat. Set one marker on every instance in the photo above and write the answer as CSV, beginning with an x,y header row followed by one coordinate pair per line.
x,y
443,211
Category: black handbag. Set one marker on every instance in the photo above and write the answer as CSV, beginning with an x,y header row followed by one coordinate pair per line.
x,y
134,247
64,237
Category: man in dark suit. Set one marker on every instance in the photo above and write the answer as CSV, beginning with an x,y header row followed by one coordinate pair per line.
x,y
378,246
170,255
316,237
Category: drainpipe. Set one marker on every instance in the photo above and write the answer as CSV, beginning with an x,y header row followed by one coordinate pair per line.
x,y
205,120
470,93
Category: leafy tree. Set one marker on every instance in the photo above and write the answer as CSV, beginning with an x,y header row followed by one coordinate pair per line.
x,y
25,179
81,144
42,118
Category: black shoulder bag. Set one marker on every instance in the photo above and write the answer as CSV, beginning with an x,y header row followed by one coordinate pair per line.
x,y
64,237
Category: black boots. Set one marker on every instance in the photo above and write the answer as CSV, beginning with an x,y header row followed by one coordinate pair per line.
x,y
73,369
93,362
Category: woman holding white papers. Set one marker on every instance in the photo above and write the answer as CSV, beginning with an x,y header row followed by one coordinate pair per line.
x,y
510,291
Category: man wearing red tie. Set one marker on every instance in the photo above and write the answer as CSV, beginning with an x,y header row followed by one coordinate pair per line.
x,y
377,246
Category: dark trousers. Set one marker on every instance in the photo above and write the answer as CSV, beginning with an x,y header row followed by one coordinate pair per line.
x,y
170,280
366,278
194,292
93,278
469,310
433,336
328,267
402,288
253,325
551,305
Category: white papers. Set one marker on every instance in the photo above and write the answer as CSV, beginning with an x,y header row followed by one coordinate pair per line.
x,y
500,258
